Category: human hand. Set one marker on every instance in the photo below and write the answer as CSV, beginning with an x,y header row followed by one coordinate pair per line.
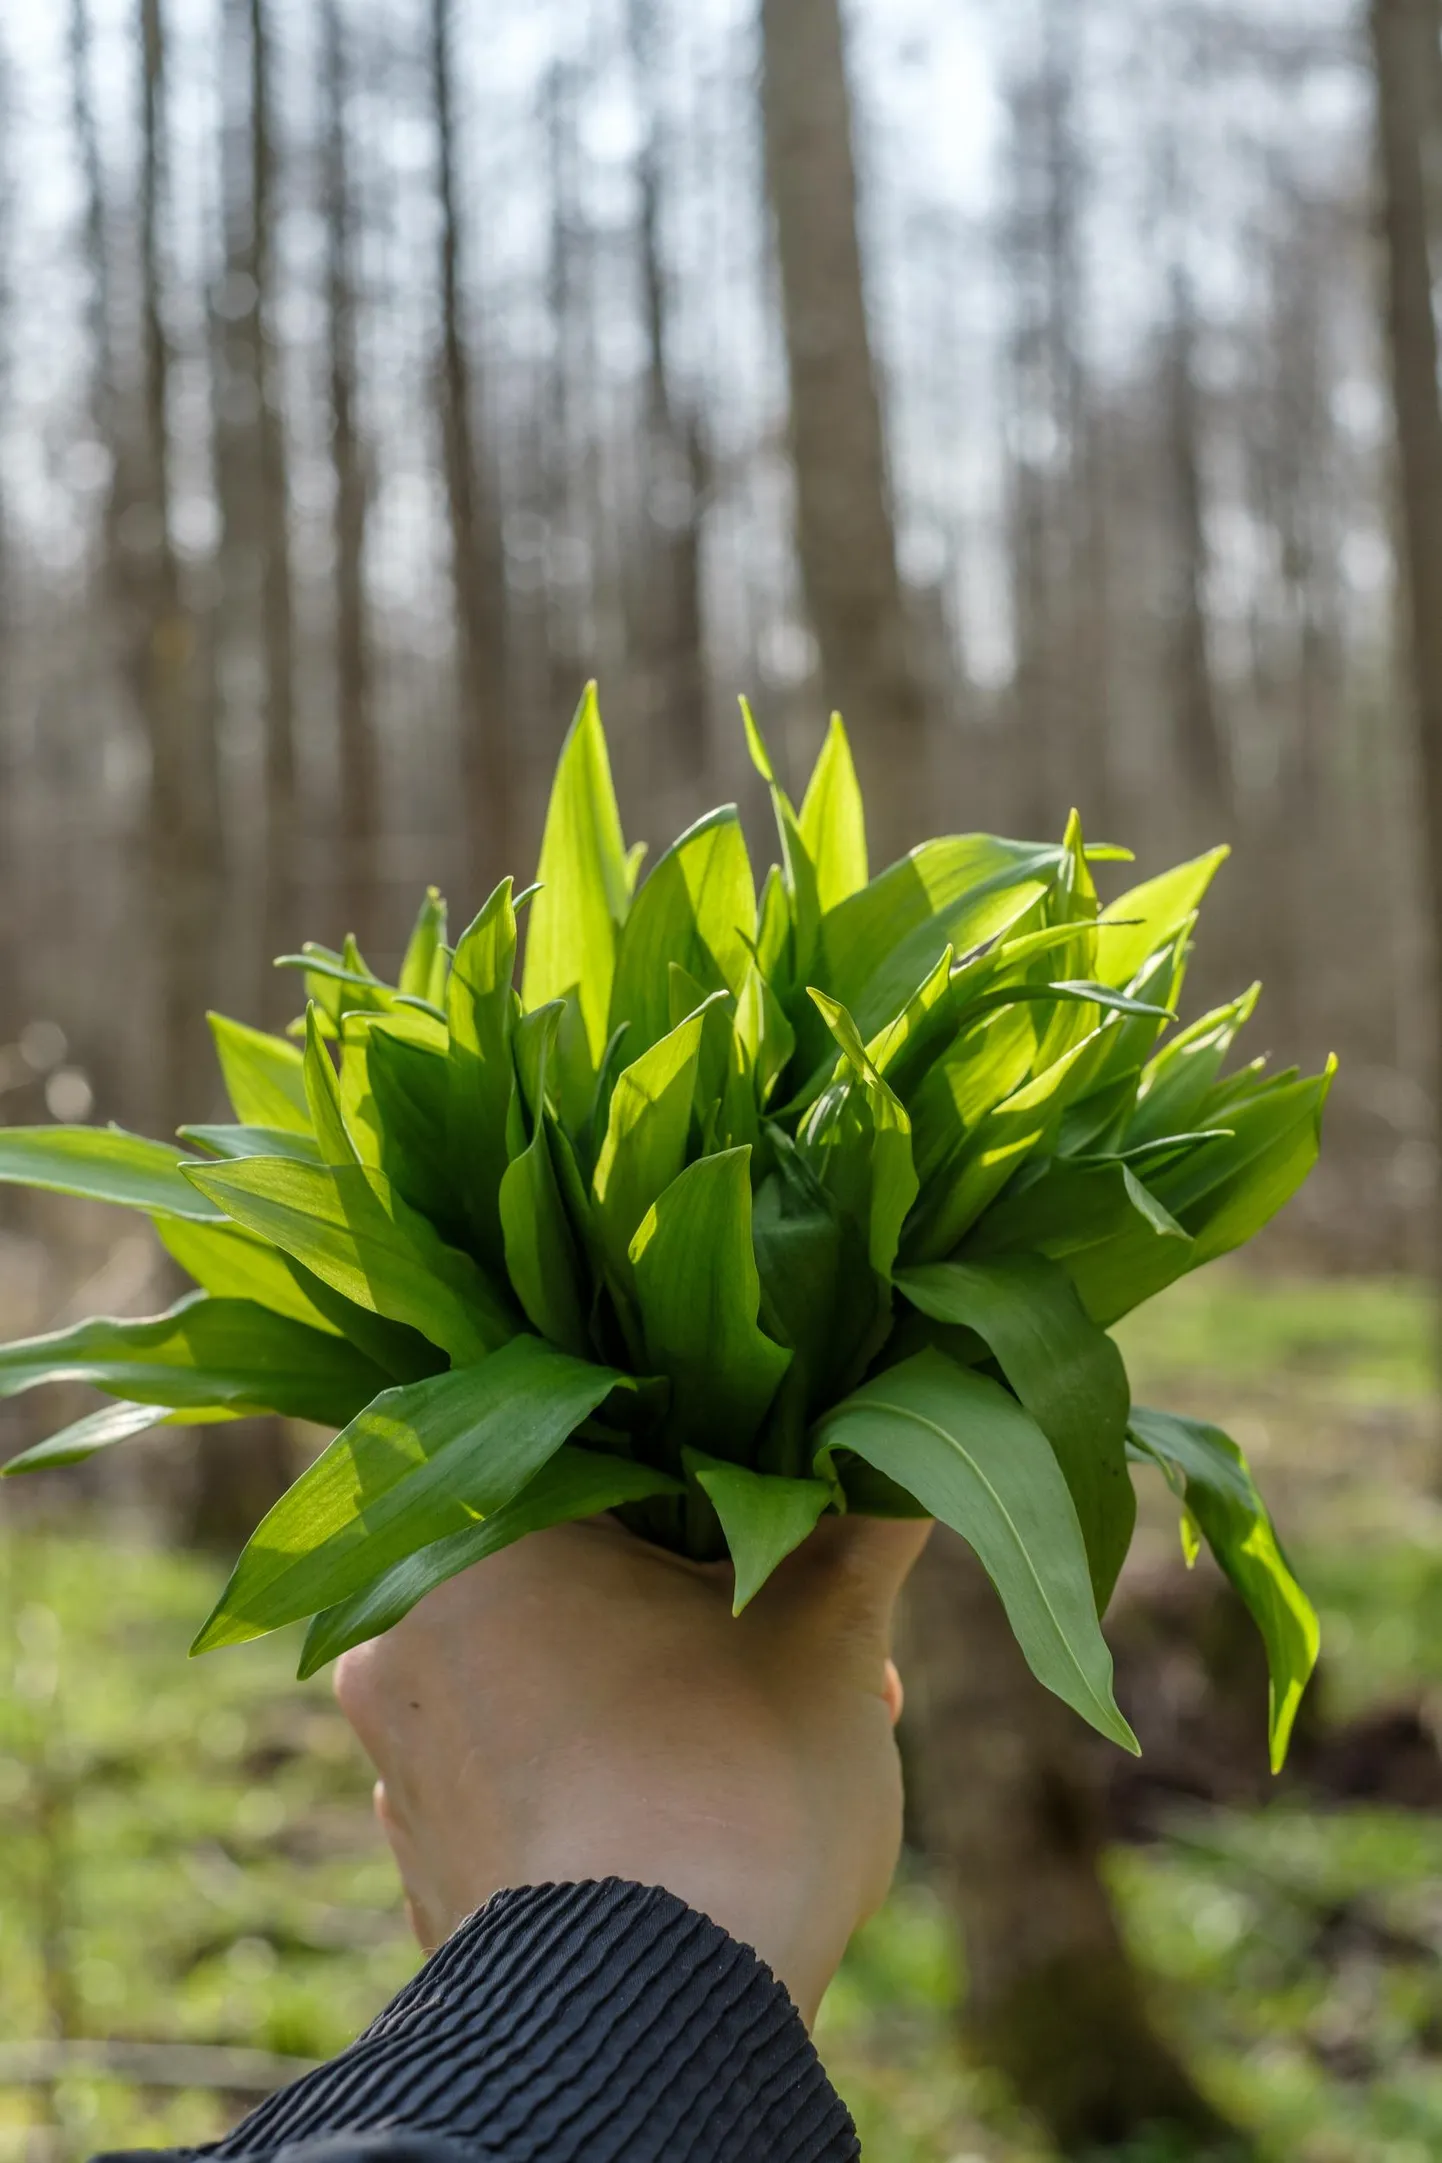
x,y
584,1705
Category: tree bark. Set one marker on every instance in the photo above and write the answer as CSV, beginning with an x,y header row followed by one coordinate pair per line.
x,y
359,769
845,533
1408,124
477,552
1007,1814
183,841
674,472
282,837
1201,752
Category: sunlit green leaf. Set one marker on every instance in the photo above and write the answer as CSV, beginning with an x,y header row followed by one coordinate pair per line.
x,y
417,1464
104,1165
264,1076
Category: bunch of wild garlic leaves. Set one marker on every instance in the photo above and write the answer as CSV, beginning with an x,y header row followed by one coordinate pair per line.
x,y
746,1209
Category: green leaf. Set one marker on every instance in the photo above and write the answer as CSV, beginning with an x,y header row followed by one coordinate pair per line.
x,y
859,1140
974,1458
231,1263
696,909
819,1296
410,1086
423,971
764,1518
877,946
322,1094
104,1165
1116,1242
223,1353
417,1464
1025,1124
1175,1084
1222,1499
480,1007
833,821
646,1133
980,1070
97,1431
1224,1193
585,890
699,1296
797,870
541,1258
1067,1373
348,1225
253,1142
1150,916
575,1483
264,1076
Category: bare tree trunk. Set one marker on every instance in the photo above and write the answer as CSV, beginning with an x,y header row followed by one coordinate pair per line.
x,y
1200,748
844,525
11,947
359,774
183,842
477,551
282,838
1007,1814
674,467
1408,125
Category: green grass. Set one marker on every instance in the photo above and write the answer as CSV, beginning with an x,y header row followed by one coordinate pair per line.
x,y
192,1840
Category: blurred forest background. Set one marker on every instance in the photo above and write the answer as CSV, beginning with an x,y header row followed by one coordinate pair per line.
x,y
1022,379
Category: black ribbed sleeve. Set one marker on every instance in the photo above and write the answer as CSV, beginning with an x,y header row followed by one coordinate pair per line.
x,y
595,2023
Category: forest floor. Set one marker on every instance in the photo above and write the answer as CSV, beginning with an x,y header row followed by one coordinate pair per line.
x,y
192,1889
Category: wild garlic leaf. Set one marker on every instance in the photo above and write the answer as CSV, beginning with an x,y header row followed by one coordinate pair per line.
x,y
227,1353
1223,1502
765,1517
1066,1372
832,821
585,889
417,1464
423,970
541,1257
264,1076
699,1295
85,1438
974,1458
696,910
348,1225
646,1135
103,1164
575,1483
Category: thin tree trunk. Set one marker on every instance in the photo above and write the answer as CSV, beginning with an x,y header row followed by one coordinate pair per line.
x,y
1007,1814
477,553
845,535
1200,749
674,464
182,838
359,774
11,941
282,838
1403,36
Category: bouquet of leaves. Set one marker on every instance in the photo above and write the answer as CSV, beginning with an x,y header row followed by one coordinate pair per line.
x,y
749,1207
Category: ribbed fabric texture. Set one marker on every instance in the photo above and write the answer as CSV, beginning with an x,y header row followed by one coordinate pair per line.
x,y
593,2023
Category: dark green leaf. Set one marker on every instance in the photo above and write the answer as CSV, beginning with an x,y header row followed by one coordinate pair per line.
x,y
480,1005
977,1460
1224,1502
764,1518
1067,1373
541,1257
